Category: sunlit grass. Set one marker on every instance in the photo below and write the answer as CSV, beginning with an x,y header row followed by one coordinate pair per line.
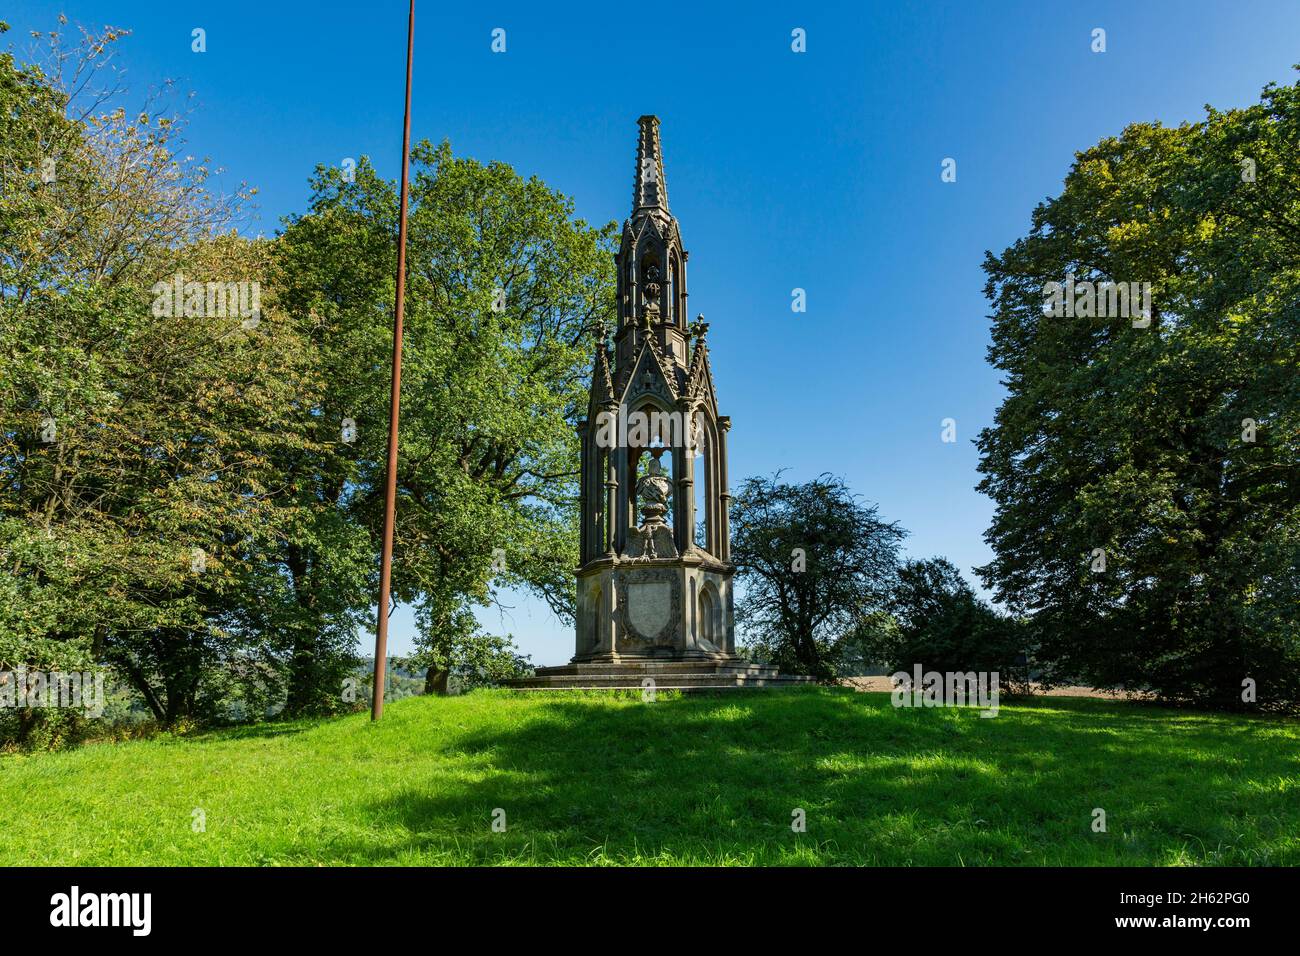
x,y
604,780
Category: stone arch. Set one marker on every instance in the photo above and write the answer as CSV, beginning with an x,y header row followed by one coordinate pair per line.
x,y
707,477
591,614
709,634
674,280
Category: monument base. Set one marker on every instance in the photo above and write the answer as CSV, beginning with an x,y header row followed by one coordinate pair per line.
x,y
701,675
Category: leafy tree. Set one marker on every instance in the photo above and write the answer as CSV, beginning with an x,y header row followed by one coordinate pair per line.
x,y
814,562
1147,479
942,625
203,511
137,498
468,655
505,292
864,650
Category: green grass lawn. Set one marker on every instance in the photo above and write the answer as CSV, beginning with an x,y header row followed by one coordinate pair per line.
x,y
594,779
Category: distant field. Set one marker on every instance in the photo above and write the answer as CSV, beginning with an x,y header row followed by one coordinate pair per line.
x,y
685,780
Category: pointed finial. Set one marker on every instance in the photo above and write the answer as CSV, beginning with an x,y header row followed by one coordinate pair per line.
x,y
650,191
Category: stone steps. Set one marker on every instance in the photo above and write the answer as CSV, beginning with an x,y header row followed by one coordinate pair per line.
x,y
684,689
659,667
728,673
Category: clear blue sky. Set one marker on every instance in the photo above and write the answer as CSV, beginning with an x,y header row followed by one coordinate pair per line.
x,y
818,170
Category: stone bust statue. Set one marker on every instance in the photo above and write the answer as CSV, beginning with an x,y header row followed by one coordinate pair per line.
x,y
652,290
653,490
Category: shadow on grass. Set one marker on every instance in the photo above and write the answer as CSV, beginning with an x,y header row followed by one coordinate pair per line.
x,y
720,779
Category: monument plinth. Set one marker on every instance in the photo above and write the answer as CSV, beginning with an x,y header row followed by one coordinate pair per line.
x,y
654,580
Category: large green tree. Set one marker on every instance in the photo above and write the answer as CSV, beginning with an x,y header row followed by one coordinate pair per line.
x,y
1147,475
194,497
505,292
136,496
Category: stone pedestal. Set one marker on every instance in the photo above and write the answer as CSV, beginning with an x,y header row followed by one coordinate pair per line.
x,y
664,620
655,609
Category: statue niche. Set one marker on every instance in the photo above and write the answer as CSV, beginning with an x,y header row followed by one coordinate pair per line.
x,y
652,290
654,538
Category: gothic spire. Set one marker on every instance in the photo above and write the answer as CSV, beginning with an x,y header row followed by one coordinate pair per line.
x,y
650,192
602,383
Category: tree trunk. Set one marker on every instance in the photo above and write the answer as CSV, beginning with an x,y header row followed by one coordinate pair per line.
x,y
141,684
26,720
303,692
435,681
302,688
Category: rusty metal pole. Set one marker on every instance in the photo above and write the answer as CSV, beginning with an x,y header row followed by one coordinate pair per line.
x,y
390,490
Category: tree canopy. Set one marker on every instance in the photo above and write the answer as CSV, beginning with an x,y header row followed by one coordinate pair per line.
x,y
1146,470
815,563
193,423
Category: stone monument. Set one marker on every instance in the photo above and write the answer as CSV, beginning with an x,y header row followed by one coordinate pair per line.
x,y
654,599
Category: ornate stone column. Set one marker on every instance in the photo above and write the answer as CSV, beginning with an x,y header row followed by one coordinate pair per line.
x,y
585,547
684,470
611,492
724,496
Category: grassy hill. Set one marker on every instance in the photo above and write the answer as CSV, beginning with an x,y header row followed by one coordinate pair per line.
x,y
598,779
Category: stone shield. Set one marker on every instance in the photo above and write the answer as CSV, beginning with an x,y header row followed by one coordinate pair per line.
x,y
649,607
